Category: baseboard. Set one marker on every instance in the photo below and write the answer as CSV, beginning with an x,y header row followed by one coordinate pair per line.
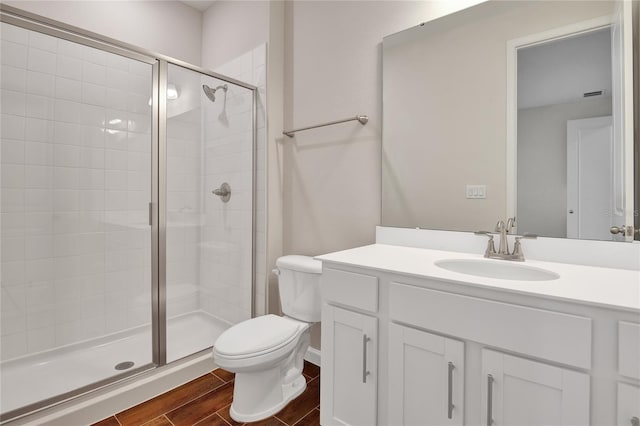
x,y
313,356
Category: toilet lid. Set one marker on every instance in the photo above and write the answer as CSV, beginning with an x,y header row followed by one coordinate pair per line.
x,y
256,335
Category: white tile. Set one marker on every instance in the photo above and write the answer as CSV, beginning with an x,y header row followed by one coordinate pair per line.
x,y
12,274
138,103
69,67
91,199
92,179
39,83
93,115
140,68
38,200
12,151
94,73
12,224
116,180
66,178
68,112
116,120
12,200
12,127
13,248
39,130
40,107
66,200
66,155
93,136
68,134
12,102
38,223
13,323
140,85
41,61
139,123
41,339
259,55
68,89
13,345
138,181
116,139
12,175
117,79
116,200
139,142
94,94
138,200
43,41
116,99
138,162
38,247
69,48
92,158
38,270
14,54
69,332
95,56
13,78
115,160
38,177
118,62
15,34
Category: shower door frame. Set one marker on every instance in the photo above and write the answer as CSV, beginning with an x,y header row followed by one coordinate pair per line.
x,y
158,205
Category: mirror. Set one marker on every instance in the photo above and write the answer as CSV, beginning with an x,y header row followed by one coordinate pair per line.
x,y
485,111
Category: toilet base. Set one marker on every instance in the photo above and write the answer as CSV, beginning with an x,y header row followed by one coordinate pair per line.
x,y
290,391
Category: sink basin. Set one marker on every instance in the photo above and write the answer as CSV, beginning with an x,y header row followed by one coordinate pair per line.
x,y
499,269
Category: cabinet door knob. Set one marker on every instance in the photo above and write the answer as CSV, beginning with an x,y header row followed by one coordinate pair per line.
x,y
450,405
365,372
489,399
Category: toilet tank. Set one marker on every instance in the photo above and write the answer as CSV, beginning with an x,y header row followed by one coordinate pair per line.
x,y
299,283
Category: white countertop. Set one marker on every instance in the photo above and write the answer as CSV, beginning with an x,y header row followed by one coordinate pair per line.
x,y
606,287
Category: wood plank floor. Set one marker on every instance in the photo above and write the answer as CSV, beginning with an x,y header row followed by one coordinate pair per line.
x,y
205,401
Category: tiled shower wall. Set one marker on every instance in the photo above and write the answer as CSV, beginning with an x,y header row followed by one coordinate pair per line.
x,y
226,258
75,184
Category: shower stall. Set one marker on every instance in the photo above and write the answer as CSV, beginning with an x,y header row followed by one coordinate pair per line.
x,y
127,211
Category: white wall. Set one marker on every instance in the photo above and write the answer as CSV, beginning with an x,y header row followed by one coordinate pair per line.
x,y
333,70
231,28
167,27
542,163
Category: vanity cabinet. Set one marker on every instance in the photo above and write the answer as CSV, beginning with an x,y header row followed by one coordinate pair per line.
x,y
628,405
426,378
349,367
518,391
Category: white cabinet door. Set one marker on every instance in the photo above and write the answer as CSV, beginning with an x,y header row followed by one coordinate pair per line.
x,y
517,391
628,405
349,371
426,378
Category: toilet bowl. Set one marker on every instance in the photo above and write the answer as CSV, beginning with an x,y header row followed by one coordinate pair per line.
x,y
267,352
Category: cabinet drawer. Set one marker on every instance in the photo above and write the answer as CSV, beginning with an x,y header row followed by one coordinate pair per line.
x,y
548,335
350,289
629,349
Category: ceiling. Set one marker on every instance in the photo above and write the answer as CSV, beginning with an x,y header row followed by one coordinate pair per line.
x,y
201,5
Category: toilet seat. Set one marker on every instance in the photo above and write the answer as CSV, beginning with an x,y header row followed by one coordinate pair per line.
x,y
258,336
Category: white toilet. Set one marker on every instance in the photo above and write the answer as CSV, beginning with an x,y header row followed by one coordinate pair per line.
x,y
267,352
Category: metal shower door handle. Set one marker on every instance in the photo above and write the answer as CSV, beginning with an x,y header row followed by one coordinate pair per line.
x,y
224,192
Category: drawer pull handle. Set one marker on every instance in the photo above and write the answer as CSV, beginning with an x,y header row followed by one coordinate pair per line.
x,y
489,399
635,421
450,405
365,372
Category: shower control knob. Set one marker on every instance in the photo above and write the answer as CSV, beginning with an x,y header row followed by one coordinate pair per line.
x,y
224,192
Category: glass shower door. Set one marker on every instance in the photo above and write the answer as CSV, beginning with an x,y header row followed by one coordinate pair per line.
x,y
76,241
209,230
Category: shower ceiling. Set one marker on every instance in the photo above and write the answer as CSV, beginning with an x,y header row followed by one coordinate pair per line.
x,y
201,5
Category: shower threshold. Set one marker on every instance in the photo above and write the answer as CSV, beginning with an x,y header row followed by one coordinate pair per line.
x,y
44,375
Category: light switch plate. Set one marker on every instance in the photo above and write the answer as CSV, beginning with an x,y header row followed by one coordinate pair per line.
x,y
476,191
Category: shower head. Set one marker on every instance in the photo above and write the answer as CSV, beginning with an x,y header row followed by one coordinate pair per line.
x,y
211,93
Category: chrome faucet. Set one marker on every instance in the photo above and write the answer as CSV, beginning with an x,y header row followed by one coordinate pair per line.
x,y
503,248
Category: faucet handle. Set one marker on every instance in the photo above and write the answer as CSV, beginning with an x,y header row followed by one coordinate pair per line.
x,y
491,247
517,247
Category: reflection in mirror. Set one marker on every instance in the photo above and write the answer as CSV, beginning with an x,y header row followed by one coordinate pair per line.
x,y
464,141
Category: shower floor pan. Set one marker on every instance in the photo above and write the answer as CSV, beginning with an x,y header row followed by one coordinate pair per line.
x,y
33,378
